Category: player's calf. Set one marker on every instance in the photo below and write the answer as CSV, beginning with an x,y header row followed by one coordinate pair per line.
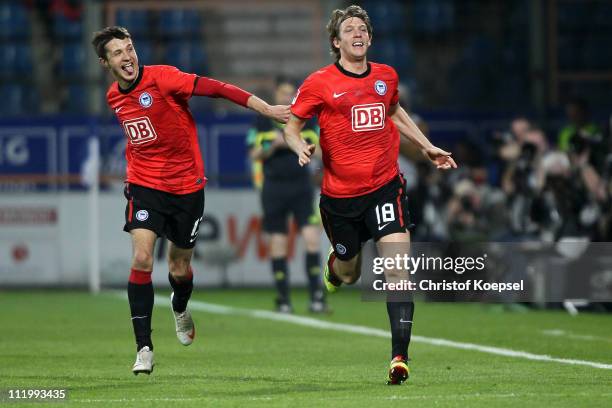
x,y
347,271
183,322
182,286
331,281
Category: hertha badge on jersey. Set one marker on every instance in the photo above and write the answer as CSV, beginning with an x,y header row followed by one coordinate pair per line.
x,y
145,99
380,87
341,249
142,215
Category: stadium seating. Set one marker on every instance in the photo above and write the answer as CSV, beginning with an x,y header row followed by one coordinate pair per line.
x,y
387,17
145,52
76,99
432,16
186,55
14,22
136,21
255,44
180,22
12,99
73,58
8,55
67,28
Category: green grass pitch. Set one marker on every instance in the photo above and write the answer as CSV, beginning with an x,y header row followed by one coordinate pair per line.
x,y
84,343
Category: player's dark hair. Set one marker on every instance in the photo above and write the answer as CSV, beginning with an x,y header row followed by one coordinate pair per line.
x,y
102,37
337,18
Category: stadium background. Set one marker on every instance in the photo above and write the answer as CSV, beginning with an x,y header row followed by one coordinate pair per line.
x,y
471,67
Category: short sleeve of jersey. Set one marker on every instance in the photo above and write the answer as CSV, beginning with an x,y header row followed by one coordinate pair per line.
x,y
308,101
172,81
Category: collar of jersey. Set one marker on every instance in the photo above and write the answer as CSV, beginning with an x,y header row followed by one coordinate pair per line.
x,y
134,84
352,74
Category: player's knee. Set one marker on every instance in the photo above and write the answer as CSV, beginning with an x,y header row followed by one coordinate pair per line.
x,y
278,245
311,238
347,272
178,267
142,260
349,279
312,245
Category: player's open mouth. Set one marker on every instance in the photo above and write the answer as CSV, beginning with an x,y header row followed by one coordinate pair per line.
x,y
128,68
358,44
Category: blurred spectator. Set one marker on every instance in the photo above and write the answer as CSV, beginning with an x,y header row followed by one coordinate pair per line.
x,y
511,141
475,211
581,132
427,203
605,223
579,122
422,184
408,150
463,213
563,206
521,154
47,9
409,153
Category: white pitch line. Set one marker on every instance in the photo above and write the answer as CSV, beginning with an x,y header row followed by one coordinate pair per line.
x,y
568,335
370,331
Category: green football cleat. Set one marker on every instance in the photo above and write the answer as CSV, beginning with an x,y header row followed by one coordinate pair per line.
x,y
398,371
331,288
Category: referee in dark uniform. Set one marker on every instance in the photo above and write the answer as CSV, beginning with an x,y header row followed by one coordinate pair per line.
x,y
286,190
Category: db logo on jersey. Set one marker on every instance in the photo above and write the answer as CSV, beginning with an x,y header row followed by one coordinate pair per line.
x,y
368,117
139,130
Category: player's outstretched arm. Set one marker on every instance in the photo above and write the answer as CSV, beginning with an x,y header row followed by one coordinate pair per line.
x,y
295,142
406,126
216,89
279,113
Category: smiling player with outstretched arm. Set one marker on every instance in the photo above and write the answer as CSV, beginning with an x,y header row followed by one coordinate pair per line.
x,y
363,195
165,173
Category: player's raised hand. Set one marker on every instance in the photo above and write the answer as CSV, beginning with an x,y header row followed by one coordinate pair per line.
x,y
279,113
304,154
441,158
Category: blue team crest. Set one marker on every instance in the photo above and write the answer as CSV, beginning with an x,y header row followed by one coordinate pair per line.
x,y
380,87
142,215
145,99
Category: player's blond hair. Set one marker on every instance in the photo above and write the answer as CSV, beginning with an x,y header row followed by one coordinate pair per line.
x,y
338,17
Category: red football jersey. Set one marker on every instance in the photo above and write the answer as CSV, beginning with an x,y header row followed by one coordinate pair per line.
x,y
360,144
162,143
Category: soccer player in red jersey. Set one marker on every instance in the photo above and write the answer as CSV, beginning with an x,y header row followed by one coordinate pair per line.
x,y
165,173
363,194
